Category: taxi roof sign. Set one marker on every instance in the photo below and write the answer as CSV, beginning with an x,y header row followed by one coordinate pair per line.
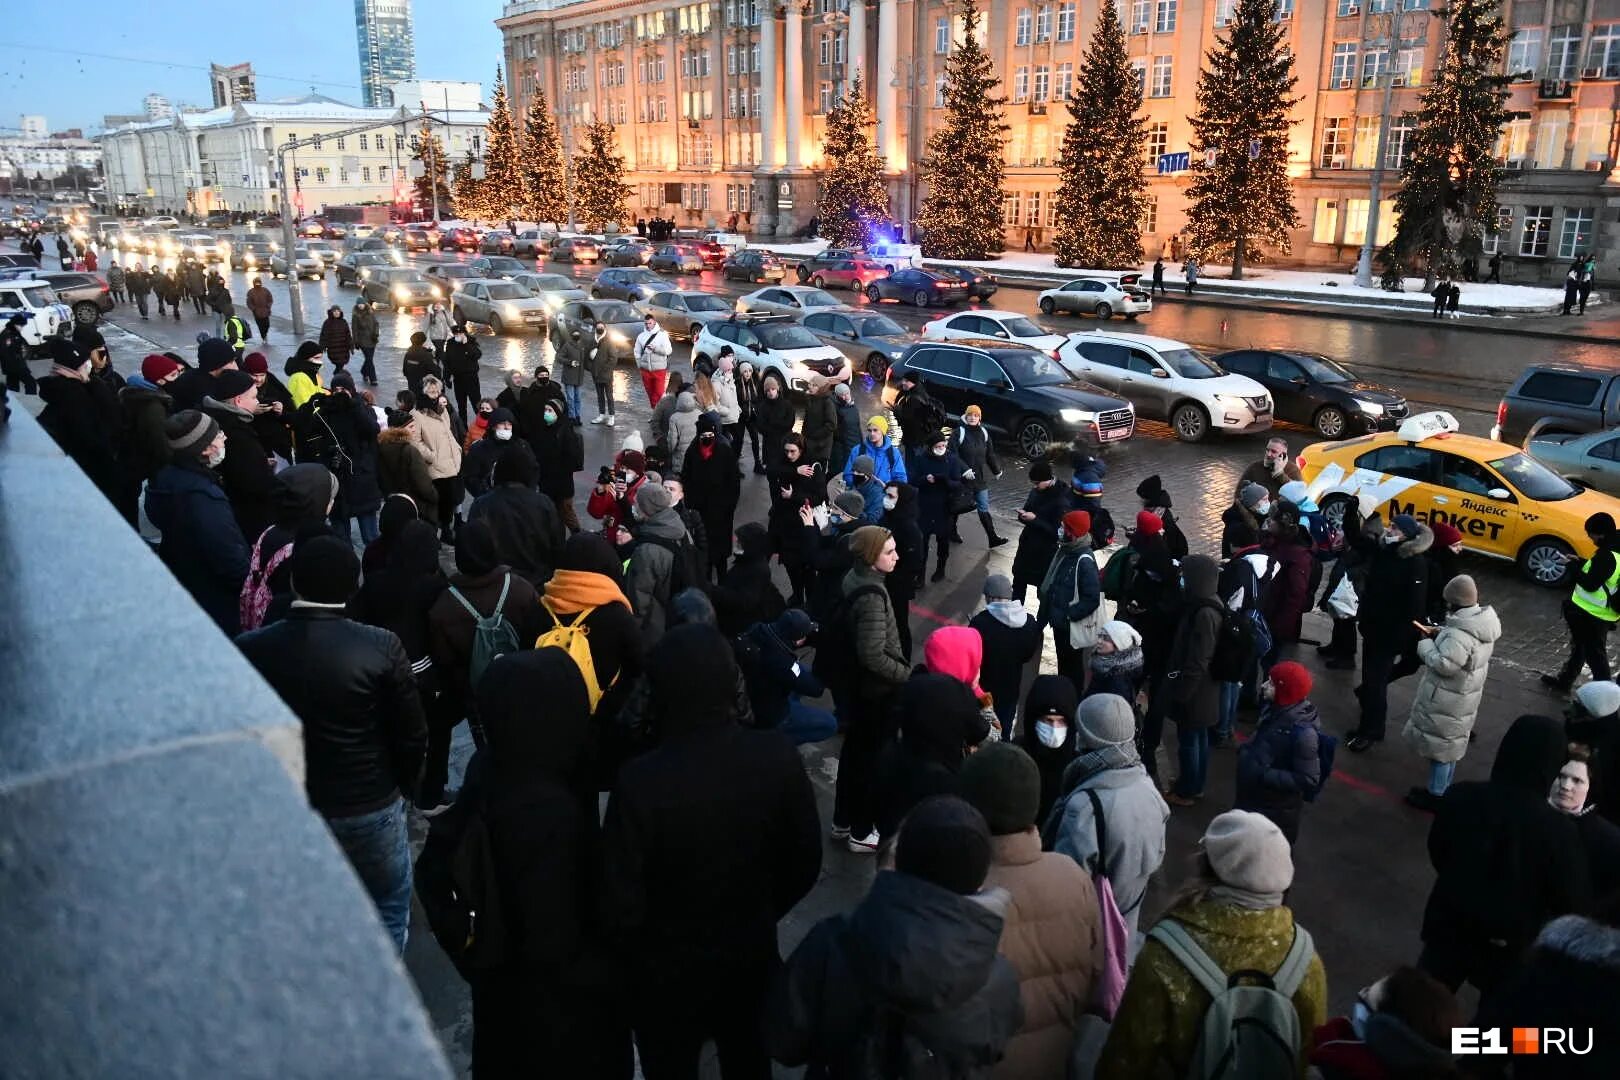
x,y
1427,425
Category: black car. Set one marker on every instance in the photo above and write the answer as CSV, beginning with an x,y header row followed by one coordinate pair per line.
x,y
420,240
1317,391
752,265
1023,392
980,285
352,268
920,288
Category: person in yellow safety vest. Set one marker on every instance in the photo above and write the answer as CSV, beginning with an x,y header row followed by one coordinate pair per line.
x,y
234,330
1590,610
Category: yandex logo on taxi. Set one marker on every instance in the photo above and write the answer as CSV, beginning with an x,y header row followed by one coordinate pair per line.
x,y
1471,1040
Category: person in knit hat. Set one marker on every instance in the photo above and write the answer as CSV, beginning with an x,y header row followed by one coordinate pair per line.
x,y
1233,912
1456,659
1278,769
303,370
1394,601
615,490
1592,722
1240,522
1587,610
1156,501
1071,596
973,447
143,447
81,413
1047,734
1442,558
888,463
202,544
1053,933
652,579
1116,661
1042,517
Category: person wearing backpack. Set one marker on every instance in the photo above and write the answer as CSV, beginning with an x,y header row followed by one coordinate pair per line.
x,y
1012,638
364,730
1053,932
921,416
662,562
1071,597
1182,1011
1280,768
1190,689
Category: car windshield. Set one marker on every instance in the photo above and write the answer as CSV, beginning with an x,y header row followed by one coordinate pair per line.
x,y
880,326
1032,368
641,277
1022,328
706,302
1533,479
1321,369
507,291
549,282
616,312
505,263
787,337
39,295
455,270
302,253
1191,364
817,298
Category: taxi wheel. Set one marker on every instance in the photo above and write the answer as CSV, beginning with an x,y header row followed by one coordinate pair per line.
x,y
1330,422
1336,509
1542,561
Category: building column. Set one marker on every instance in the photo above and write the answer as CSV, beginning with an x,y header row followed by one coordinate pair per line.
x,y
857,41
767,88
793,83
883,78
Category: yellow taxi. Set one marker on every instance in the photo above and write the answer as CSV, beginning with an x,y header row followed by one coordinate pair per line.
x,y
1505,503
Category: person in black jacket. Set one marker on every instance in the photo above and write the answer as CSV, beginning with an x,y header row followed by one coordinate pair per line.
x,y
419,363
1156,500
713,484
246,473
1047,733
1043,512
81,414
1395,597
848,435
900,511
1592,621
335,339
143,448
746,594
972,446
939,719
778,681
560,453
527,529
921,416
910,983
1012,638
351,687
202,544
1505,862
774,416
500,440
794,481
273,421
936,472
461,356
696,919
353,424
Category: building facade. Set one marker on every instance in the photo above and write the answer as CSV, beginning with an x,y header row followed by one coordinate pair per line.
x,y
157,107
32,126
225,159
387,48
720,107
46,158
232,84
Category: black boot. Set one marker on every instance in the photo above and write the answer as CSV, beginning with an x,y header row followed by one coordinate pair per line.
x,y
989,524
939,564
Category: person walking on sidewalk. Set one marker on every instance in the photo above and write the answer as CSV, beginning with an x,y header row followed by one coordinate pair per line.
x,y
979,466
259,302
1158,278
1495,276
336,339
1588,611
1442,292
140,287
1572,288
1190,269
461,356
438,328
363,325
652,359
116,282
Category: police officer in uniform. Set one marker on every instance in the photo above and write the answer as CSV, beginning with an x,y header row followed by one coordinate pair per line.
x,y
1588,611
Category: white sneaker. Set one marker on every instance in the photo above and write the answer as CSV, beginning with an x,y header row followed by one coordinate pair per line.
x,y
864,845
600,419
611,421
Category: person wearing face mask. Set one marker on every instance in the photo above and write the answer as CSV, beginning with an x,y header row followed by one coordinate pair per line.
x,y
1156,501
1575,795
1240,522
824,535
1042,515
794,482
1278,768
498,442
479,427
616,488
936,472
526,399
600,361
247,474
1273,470
1455,659
972,446
1399,1027
366,334
1116,662
202,544
863,479
713,486
143,448
560,453
1012,637
461,355
81,413
352,425
898,514
1046,732
1391,610
336,339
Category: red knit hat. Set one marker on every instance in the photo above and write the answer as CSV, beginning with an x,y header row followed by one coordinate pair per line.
x,y
1290,683
1445,534
1077,523
255,364
1148,523
157,366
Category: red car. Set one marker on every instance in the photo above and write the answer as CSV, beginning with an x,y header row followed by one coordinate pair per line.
x,y
458,240
713,254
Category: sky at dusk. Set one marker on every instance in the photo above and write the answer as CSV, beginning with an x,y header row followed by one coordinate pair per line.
x,y
103,56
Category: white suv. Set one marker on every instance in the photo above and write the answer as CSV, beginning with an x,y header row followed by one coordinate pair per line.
x,y
772,343
1000,325
1170,381
46,315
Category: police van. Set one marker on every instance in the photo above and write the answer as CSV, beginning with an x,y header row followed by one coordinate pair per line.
x,y
47,317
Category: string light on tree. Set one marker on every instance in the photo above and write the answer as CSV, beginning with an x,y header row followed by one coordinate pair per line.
x,y
603,198
428,150
500,192
854,197
545,184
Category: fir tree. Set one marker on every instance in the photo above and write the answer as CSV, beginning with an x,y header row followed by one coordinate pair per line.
x,y
545,182
960,217
1100,198
854,195
470,201
602,196
428,150
501,190
1245,92
1448,180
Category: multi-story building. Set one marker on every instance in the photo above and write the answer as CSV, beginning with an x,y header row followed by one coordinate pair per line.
x,y
232,84
32,126
157,107
225,159
387,48
720,106
46,157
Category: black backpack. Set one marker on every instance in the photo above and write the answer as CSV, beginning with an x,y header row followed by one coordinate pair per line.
x,y
1234,648
456,884
687,570
837,663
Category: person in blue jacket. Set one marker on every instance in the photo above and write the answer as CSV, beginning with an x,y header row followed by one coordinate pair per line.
x,y
202,544
888,462
778,681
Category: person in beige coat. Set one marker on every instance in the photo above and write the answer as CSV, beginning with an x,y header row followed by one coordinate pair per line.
x,y
1053,930
441,450
1455,658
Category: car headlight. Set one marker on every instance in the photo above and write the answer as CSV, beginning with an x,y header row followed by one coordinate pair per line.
x,y
401,292
895,354
1233,401
1371,408
434,290
1077,416
616,337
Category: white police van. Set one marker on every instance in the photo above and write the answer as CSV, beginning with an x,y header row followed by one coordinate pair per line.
x,y
47,316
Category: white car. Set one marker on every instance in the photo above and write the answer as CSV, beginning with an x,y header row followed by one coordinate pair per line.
x,y
1170,381
993,325
1095,296
325,250
794,301
772,343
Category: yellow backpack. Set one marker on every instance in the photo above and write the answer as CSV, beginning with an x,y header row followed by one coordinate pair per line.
x,y
574,638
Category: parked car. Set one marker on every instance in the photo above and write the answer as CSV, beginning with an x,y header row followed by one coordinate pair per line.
x,y
685,314
250,255
634,284
498,304
980,285
403,288
993,325
86,294
806,269
1557,399
751,264
305,263
498,266
870,339
496,242
554,289
794,301
622,322
627,251
676,259
1312,389
449,275
327,250
356,266
458,239
1170,381
920,288
852,274
1024,394
713,253
1095,296
1591,460
45,315
772,343
575,249
531,243
421,240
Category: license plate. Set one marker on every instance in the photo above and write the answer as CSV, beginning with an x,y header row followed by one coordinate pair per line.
x,y
1116,433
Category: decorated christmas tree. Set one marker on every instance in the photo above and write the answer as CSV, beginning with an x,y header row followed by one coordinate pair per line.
x,y
427,149
1099,199
545,182
1448,178
960,217
470,202
854,196
602,196
501,190
1240,193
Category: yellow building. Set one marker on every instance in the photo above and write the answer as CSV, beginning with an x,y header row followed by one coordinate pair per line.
x,y
720,106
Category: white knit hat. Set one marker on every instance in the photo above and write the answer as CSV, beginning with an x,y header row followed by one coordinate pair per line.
x,y
1122,634
1247,851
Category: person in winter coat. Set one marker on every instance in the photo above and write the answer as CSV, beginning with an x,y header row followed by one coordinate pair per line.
x,y
81,414
918,412
1042,517
552,996
1150,599
336,339
531,398
202,544
682,431
1053,932
305,496
1116,662
498,442
1505,862
527,529
363,324
438,328
610,501
1012,638
697,920
1233,911
560,453
1442,559
1047,735
196,286
246,473
1274,469
820,421
712,482
441,450
652,350
1592,722
303,371
1191,691
897,509
1587,610
1240,522
938,721
14,357
1400,1028
848,434
972,446
272,423
658,421
726,399
1071,593
117,281
1456,660
774,414
143,445
570,363
419,363
353,423
745,594
911,981
1156,501
779,682
461,356
1575,795
1287,594
402,470
1395,600
1278,768
600,362
958,651
794,481
746,383
865,484
936,473
888,463
260,302
660,540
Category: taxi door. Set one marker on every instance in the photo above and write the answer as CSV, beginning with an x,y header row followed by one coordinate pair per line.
x,y
1462,496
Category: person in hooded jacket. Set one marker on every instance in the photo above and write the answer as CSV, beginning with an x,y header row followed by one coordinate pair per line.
x,y
439,324
1042,517
527,529
1240,522
273,422
1071,592
1012,638
143,446
560,453
304,497
1395,601
938,719
1287,594
958,651
202,544
336,339
1455,660
499,440
936,472
778,681
246,473
888,462
971,444
1505,862
820,425
1278,768
794,481
80,414
650,574
401,468
712,482
848,434
1400,1029
682,429
899,515
746,594
554,996
614,493
363,324
303,371
353,423
911,982
1047,735
774,414
260,302
1191,691
1156,501
419,363
1575,794
696,920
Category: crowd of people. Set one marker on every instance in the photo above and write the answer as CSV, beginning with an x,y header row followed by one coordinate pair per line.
x,y
394,572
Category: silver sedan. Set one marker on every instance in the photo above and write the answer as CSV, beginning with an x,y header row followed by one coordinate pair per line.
x,y
794,301
870,339
685,314
1592,460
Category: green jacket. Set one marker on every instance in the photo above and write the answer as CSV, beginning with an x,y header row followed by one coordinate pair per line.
x,y
877,636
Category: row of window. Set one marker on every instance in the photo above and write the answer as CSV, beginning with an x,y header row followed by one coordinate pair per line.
x,y
1045,88
1037,26
1575,231
739,198
1038,210
321,174
1561,57
1406,60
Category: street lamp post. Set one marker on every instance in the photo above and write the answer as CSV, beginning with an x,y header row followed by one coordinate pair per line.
x,y
1398,24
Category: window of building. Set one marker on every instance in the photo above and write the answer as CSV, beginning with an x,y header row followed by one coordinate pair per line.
x,y
365,174
1364,150
1033,216
1414,5
1010,205
1043,82
939,91
1285,11
1065,21
477,141
1158,142
1400,134
1575,235
1043,23
340,143
1335,142
1514,142
753,103
1223,12
1343,72
1524,51
382,174
1325,227
1374,62
1563,52
1491,242
1534,241
1592,128
1065,81
1022,26
942,35
824,98
1161,76
399,142
1409,65
1021,84
1140,67
1603,51
1346,9
1164,16
320,174
1150,215
363,141
1355,221
1552,131
1141,14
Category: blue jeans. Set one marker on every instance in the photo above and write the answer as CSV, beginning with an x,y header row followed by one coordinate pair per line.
x,y
368,527
571,393
1192,751
981,499
1440,774
1229,704
807,723
378,848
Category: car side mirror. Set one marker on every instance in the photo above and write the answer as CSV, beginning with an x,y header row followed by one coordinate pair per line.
x,y
1499,493
1160,373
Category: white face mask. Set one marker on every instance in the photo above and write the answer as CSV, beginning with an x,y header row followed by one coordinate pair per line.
x,y
1262,508
890,502
939,451
1393,537
503,433
1051,735
214,460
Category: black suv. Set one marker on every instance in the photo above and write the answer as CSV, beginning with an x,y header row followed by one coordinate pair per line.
x,y
1023,392
1557,399
1314,390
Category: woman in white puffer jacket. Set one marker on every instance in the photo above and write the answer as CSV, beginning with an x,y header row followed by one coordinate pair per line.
x,y
1455,662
